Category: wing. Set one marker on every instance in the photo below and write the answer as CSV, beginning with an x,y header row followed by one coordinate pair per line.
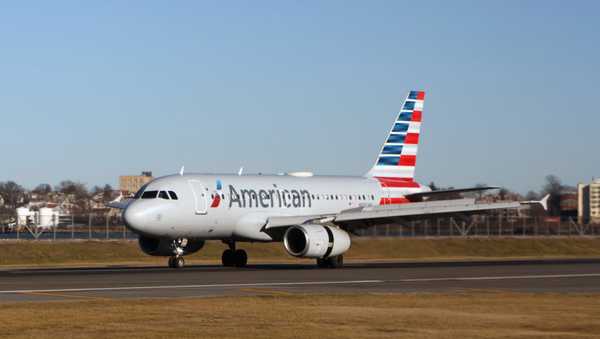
x,y
446,193
371,215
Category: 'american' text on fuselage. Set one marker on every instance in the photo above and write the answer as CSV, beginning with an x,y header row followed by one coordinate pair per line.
x,y
269,198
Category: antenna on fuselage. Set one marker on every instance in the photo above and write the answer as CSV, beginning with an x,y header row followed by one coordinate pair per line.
x,y
181,170
241,171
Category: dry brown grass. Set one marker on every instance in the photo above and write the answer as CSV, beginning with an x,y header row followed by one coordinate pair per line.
x,y
20,253
477,315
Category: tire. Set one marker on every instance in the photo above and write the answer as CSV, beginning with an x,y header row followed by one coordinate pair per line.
x,y
336,262
178,262
321,263
228,258
241,258
171,265
331,262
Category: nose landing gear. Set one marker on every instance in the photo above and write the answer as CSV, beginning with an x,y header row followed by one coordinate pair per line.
x,y
176,262
234,258
177,246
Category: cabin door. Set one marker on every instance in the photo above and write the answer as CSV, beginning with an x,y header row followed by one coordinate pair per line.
x,y
200,196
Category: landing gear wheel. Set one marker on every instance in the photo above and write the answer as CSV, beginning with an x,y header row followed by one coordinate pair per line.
x,y
176,262
228,258
331,262
241,258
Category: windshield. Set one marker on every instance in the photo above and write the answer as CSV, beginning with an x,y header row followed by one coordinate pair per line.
x,y
149,194
138,194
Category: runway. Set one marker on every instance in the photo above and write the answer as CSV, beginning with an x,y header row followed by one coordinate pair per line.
x,y
572,275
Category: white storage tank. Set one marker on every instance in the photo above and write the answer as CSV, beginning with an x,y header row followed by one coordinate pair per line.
x,y
48,217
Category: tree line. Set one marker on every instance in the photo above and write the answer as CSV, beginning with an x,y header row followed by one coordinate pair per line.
x,y
14,195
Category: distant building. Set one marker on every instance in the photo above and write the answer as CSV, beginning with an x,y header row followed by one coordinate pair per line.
x,y
129,184
588,207
568,205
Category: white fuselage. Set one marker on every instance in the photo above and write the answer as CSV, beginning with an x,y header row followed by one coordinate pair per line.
x,y
245,203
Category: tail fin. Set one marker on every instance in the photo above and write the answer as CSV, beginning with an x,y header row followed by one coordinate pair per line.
x,y
398,154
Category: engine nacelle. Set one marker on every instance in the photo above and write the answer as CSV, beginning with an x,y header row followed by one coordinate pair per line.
x,y
166,247
315,241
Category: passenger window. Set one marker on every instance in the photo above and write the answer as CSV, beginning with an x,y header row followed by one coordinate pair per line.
x,y
173,195
149,195
163,195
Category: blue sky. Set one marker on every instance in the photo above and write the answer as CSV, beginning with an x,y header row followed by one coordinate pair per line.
x,y
92,90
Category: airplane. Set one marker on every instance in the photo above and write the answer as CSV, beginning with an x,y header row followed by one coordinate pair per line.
x,y
313,216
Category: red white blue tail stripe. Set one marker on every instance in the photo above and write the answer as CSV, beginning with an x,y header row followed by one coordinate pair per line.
x,y
398,155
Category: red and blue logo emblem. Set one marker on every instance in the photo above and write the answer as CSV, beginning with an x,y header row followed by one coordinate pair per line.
x,y
216,196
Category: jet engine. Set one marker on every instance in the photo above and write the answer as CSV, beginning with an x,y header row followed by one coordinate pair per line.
x,y
315,241
169,247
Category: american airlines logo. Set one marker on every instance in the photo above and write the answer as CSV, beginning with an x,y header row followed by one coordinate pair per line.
x,y
217,195
269,198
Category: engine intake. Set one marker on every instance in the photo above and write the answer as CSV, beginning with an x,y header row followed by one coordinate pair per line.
x,y
165,247
315,241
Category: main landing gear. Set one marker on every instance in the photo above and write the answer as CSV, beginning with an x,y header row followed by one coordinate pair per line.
x,y
331,262
234,258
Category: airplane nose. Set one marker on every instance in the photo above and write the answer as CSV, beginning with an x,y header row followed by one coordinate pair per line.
x,y
133,217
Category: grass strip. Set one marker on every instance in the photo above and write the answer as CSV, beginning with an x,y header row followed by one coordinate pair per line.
x,y
101,252
458,315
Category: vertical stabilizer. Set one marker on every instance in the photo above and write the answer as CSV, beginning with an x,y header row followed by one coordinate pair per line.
x,y
398,155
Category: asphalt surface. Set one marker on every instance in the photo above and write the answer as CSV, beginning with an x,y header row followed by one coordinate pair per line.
x,y
572,275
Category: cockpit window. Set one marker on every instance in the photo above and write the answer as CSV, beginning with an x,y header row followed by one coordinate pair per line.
x,y
149,194
173,195
138,194
163,195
